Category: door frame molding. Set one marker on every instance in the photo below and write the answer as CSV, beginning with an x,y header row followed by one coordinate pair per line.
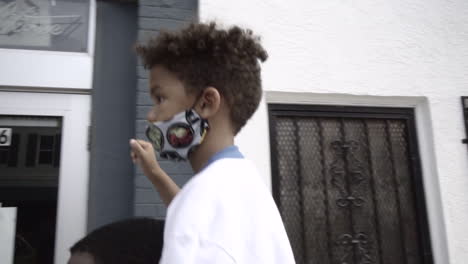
x,y
72,200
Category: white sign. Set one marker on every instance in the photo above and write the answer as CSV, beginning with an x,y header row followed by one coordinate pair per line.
x,y
7,231
5,136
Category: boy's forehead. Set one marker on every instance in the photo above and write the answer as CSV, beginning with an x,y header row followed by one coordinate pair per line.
x,y
154,81
159,77
155,86
160,73
162,80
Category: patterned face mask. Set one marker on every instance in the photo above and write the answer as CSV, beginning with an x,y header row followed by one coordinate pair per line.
x,y
176,138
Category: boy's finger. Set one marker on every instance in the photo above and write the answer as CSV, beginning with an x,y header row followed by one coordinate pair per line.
x,y
144,144
133,156
136,146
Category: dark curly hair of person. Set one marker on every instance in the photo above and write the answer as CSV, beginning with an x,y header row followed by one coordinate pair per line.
x,y
203,55
130,241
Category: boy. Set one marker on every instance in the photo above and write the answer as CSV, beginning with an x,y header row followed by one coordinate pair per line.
x,y
205,83
130,241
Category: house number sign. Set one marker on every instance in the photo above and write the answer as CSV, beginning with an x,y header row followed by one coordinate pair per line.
x,y
5,136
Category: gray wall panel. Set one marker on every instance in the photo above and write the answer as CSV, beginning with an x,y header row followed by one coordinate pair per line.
x,y
113,114
178,4
166,13
155,16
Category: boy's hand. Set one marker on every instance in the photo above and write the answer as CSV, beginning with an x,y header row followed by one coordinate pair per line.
x,y
142,153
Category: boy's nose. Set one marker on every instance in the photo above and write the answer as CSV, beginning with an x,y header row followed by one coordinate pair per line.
x,y
151,116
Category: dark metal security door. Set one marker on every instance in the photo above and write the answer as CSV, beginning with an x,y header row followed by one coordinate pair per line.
x,y
348,185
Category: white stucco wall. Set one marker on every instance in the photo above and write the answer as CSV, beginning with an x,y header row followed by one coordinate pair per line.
x,y
371,52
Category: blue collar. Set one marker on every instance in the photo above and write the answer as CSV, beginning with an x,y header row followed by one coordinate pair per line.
x,y
231,152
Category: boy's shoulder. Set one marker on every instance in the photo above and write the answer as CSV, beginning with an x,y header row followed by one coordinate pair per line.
x,y
208,195
216,184
226,172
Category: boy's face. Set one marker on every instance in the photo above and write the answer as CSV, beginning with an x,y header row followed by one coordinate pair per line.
x,y
168,94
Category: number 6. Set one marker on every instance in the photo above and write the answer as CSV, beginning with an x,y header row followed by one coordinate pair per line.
x,y
3,137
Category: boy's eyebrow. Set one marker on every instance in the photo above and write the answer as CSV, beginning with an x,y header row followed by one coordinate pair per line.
x,y
154,89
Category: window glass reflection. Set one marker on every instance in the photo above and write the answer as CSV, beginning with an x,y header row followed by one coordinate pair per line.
x,y
59,25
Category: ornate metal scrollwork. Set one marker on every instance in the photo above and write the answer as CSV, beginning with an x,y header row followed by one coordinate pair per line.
x,y
344,202
346,167
347,176
359,244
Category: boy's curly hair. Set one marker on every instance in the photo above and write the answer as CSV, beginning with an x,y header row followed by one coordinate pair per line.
x,y
203,55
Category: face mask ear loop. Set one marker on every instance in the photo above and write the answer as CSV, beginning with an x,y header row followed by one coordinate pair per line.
x,y
204,125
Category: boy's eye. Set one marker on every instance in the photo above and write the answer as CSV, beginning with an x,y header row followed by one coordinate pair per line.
x,y
159,99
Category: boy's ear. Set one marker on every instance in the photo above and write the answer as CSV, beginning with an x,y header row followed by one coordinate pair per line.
x,y
209,103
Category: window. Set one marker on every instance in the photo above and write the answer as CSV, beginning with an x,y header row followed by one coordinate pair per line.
x,y
43,150
46,149
58,25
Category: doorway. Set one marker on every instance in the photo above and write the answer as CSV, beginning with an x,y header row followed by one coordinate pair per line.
x,y
29,180
348,184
